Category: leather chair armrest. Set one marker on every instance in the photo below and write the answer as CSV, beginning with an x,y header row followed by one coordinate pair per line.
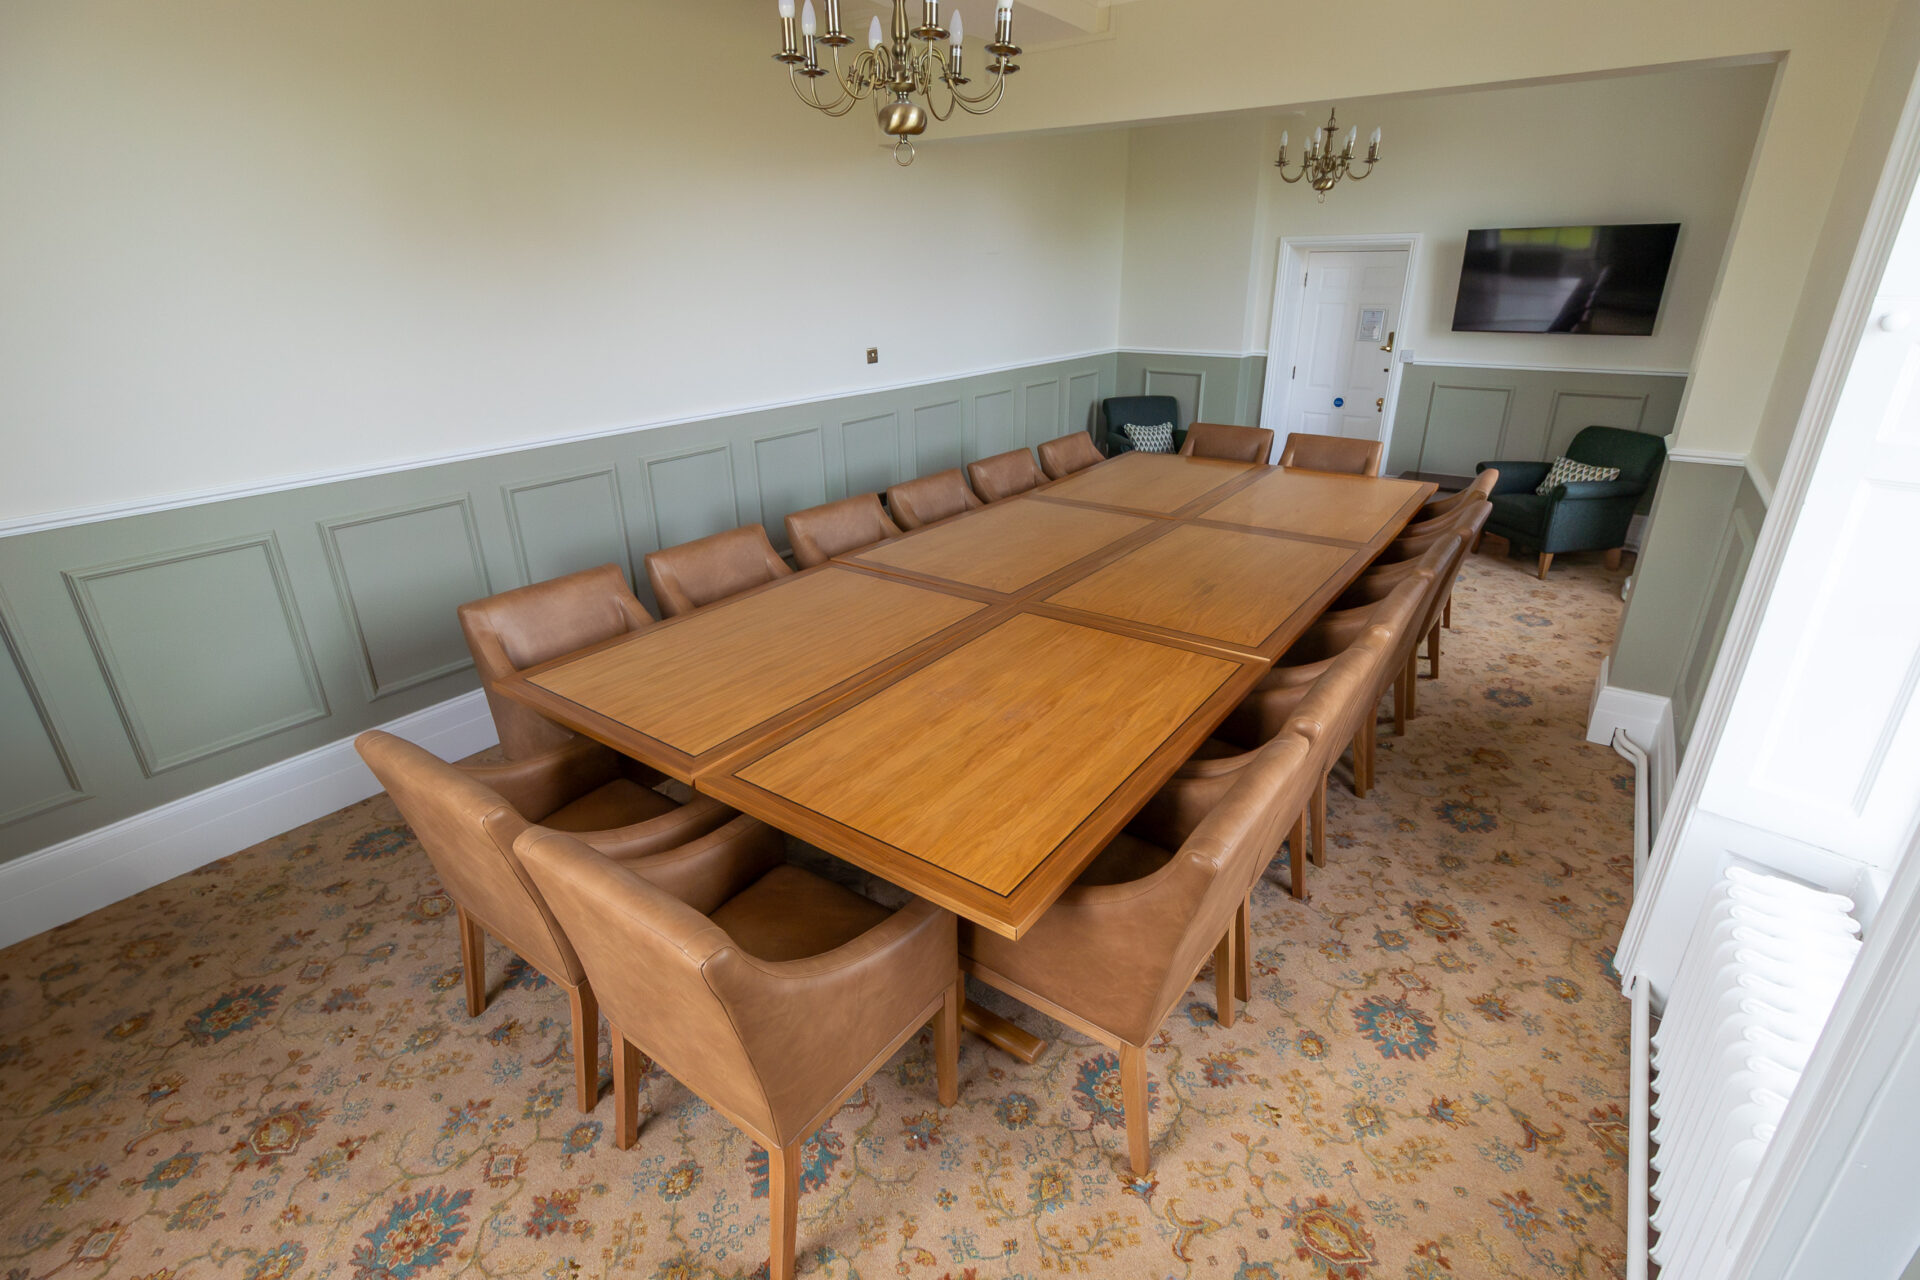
x,y
1517,477
539,785
706,871
1586,490
700,816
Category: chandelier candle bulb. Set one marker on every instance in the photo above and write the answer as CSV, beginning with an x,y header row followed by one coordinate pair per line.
x,y
809,24
875,37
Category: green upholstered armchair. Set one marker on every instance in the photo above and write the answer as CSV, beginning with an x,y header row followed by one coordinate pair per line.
x,y
1583,516
1143,411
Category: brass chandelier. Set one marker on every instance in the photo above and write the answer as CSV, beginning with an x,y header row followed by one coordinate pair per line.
x,y
895,71
1325,164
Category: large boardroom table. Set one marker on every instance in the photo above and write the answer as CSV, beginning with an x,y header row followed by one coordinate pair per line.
x,y
973,710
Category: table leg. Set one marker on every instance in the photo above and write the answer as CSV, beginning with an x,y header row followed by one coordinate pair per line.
x,y
1000,1033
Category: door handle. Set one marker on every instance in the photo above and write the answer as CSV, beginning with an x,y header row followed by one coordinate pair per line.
x,y
1391,334
1380,405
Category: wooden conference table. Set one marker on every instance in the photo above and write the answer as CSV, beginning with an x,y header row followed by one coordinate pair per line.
x,y
973,710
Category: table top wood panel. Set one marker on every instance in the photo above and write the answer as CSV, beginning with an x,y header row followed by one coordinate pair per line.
x,y
1236,588
1351,509
670,693
1156,484
1007,547
986,777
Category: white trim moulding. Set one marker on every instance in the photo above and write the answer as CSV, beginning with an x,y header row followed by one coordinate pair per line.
x,y
65,881
1544,368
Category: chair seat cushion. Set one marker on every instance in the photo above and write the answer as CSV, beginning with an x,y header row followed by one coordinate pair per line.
x,y
1519,512
620,803
1125,859
789,914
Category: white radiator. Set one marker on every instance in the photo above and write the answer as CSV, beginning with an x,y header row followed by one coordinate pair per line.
x,y
1758,979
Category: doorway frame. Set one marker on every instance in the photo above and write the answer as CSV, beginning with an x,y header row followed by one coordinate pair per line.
x,y
1283,330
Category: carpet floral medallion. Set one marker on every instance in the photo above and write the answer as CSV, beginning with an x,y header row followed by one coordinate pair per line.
x,y
264,1070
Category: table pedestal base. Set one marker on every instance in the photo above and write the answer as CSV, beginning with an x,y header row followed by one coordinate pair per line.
x,y
1000,1033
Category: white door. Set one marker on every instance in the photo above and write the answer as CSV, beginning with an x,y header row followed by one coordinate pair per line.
x,y
1340,364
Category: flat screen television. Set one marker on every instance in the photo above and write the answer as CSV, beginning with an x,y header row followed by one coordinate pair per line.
x,y
1565,279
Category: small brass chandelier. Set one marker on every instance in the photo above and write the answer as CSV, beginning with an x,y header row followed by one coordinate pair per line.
x,y
894,71
1324,164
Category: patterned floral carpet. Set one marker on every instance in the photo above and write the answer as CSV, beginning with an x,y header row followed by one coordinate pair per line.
x,y
265,1069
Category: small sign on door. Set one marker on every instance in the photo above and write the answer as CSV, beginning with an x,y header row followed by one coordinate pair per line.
x,y
1373,324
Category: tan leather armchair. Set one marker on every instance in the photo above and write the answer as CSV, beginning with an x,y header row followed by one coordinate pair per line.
x,y
931,499
1416,541
514,630
1479,491
772,996
818,534
1119,949
1061,457
466,818
712,568
1005,475
1235,444
1333,453
1466,525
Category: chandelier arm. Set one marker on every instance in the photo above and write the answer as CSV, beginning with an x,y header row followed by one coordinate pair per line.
x,y
933,104
992,98
811,95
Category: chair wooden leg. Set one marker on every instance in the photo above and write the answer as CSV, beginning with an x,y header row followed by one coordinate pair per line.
x,y
586,1045
473,962
1297,856
1613,557
1133,1095
1446,616
783,1207
1400,705
1320,823
946,1043
1243,951
1433,651
1546,562
1224,965
1413,683
626,1091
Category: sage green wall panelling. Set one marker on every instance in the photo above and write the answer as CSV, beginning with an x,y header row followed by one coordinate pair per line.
x,y
1083,401
692,494
1209,388
993,423
1706,521
872,450
567,523
790,472
35,774
1728,574
1043,417
203,649
1463,425
1451,417
401,574
371,569
939,436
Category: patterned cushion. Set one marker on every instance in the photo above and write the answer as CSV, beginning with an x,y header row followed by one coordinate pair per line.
x,y
1155,439
1567,471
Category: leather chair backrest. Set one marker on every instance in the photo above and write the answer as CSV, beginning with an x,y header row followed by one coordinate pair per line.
x,y
1428,519
1062,457
712,568
468,832
661,971
1331,713
518,629
1638,454
818,534
1139,411
1333,453
1005,475
1221,440
930,499
1469,521
1213,870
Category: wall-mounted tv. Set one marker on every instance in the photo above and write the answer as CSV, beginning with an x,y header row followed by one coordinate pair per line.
x,y
1565,279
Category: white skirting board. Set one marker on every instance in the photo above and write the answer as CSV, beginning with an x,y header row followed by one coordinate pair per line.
x,y
1647,718
65,881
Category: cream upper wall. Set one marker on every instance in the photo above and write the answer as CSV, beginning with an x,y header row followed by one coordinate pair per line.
x,y
248,241
1585,151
